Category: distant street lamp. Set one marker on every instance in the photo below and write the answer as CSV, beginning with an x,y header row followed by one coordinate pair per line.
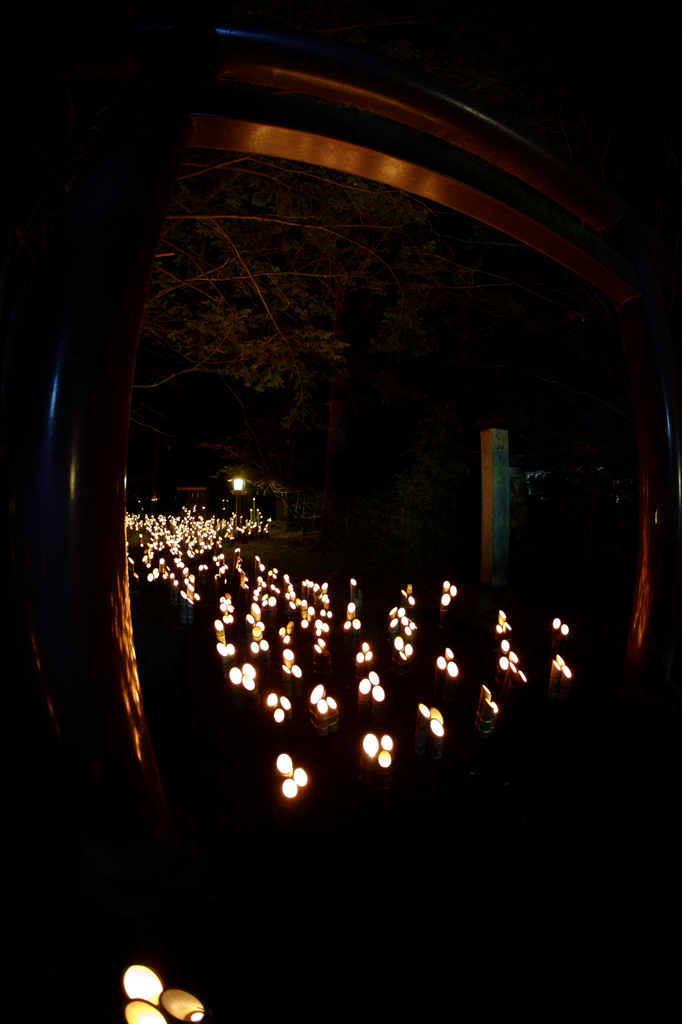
x,y
238,490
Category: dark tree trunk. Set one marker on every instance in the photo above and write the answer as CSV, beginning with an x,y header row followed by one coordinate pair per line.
x,y
336,464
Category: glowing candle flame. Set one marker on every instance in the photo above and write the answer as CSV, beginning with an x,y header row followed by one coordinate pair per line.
x,y
142,1013
370,744
142,983
317,694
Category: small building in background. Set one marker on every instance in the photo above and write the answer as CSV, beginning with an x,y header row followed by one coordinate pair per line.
x,y
199,496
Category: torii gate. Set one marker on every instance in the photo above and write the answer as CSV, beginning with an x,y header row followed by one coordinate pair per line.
x,y
72,381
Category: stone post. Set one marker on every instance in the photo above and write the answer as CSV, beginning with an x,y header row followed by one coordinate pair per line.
x,y
494,507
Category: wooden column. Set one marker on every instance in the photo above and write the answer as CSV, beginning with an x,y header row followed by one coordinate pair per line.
x,y
494,507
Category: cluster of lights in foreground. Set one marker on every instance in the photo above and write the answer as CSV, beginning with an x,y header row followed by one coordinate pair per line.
x,y
151,1003
172,546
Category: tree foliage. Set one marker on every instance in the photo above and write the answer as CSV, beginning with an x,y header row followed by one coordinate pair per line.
x,y
285,279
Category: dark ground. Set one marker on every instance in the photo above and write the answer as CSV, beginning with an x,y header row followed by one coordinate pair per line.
x,y
552,840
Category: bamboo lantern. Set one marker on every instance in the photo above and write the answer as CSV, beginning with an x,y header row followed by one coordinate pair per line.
x,y
278,719
484,696
556,634
142,983
450,683
353,589
181,1005
554,677
397,664
486,716
510,674
272,701
264,647
501,672
441,666
383,773
318,693
437,715
140,1012
322,662
287,799
421,733
378,697
370,749
286,680
350,611
348,636
393,623
219,627
250,687
301,780
236,690
364,698
559,636
357,629
510,685
285,767
227,654
564,683
333,719
297,680
444,611
436,738
322,717
288,658
499,634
